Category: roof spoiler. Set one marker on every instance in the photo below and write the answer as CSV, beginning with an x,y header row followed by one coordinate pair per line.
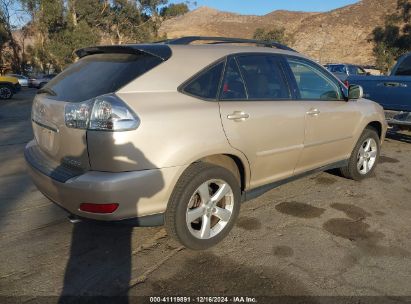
x,y
221,40
161,51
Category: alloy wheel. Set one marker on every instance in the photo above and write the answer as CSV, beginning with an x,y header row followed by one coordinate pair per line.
x,y
210,209
367,156
5,93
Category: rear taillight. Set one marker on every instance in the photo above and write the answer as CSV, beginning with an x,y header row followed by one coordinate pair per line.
x,y
98,208
347,83
77,115
106,113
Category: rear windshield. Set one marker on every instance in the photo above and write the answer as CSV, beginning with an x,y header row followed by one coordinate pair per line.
x,y
99,74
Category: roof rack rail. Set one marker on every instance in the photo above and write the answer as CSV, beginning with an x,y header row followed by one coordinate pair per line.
x,y
219,40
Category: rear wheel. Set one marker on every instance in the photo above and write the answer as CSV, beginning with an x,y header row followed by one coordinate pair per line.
x,y
365,156
42,85
5,92
203,207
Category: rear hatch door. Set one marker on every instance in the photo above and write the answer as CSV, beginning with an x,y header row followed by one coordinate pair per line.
x,y
102,70
58,143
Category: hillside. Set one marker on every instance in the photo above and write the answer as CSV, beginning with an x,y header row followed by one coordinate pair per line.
x,y
338,35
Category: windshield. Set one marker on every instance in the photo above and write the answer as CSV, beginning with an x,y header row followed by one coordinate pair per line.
x,y
405,67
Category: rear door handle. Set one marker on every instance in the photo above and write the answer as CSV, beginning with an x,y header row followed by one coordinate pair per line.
x,y
238,116
314,112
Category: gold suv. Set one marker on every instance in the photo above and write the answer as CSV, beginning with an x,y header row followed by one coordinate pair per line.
x,y
178,134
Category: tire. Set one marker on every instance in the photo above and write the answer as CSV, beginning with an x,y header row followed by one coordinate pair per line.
x,y
6,92
42,85
193,195
370,154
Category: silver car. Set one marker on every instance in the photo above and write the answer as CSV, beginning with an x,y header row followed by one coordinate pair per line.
x,y
40,81
343,71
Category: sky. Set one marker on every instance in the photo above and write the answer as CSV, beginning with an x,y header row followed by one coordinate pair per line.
x,y
247,7
262,7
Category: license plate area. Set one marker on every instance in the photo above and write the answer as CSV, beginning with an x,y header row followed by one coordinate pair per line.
x,y
45,136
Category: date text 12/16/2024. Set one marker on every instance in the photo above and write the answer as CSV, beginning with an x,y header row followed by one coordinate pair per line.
x,y
238,299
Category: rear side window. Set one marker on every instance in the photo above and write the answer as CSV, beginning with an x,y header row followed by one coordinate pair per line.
x,y
100,74
337,69
206,84
405,67
355,70
312,83
361,71
352,70
263,77
233,87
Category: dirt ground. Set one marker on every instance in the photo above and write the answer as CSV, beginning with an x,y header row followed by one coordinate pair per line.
x,y
319,236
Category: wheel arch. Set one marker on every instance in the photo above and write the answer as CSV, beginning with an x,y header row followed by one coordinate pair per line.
x,y
9,86
7,83
377,126
230,162
376,121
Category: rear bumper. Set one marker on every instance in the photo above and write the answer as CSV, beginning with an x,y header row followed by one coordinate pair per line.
x,y
140,194
153,220
33,84
398,118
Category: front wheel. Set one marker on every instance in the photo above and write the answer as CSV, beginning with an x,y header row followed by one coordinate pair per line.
x,y
364,157
203,207
5,92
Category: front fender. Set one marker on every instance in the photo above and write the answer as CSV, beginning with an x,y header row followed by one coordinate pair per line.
x,y
372,113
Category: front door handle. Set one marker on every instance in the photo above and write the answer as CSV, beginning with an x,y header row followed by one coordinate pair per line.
x,y
313,112
238,116
395,84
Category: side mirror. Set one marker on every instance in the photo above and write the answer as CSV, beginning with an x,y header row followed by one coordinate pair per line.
x,y
355,92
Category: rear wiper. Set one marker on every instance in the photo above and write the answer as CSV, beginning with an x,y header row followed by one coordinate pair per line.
x,y
47,91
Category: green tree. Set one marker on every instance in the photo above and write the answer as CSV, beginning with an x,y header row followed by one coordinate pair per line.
x,y
393,39
10,49
4,39
47,21
151,7
63,44
276,34
174,10
62,26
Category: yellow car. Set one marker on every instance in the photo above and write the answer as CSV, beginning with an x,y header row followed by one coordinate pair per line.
x,y
8,86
